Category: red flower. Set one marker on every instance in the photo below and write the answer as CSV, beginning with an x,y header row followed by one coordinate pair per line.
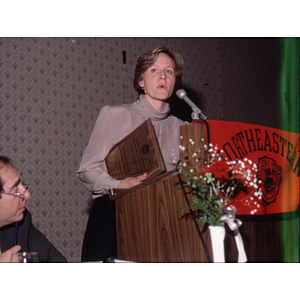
x,y
219,169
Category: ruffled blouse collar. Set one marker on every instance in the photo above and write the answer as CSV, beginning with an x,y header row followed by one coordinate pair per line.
x,y
148,111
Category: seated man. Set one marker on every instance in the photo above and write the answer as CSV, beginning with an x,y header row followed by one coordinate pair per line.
x,y
16,229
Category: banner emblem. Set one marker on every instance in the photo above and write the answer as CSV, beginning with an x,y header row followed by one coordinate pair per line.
x,y
270,175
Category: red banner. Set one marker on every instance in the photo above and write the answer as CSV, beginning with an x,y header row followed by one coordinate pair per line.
x,y
276,154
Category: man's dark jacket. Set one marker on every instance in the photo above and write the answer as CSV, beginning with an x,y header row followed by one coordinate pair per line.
x,y
30,239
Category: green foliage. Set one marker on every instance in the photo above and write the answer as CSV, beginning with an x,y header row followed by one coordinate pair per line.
x,y
206,198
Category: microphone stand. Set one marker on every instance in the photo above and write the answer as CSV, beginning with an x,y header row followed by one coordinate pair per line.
x,y
197,113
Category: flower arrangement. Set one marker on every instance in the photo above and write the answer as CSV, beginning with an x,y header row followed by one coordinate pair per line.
x,y
215,182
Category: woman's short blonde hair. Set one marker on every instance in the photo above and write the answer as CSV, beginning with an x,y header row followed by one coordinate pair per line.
x,y
148,58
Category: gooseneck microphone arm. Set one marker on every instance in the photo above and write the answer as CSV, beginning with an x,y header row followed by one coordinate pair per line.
x,y
197,113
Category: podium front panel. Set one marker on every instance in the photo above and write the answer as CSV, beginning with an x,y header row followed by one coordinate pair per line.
x,y
152,228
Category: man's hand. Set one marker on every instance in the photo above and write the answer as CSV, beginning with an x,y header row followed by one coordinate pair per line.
x,y
5,257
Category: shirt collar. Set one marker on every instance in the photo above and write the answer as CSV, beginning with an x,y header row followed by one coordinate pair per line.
x,y
149,111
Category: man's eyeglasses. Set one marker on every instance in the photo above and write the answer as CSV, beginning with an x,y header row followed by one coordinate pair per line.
x,y
21,195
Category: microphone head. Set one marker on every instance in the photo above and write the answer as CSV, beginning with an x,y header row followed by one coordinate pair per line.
x,y
181,94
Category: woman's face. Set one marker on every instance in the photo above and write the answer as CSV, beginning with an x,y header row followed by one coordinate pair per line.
x,y
159,80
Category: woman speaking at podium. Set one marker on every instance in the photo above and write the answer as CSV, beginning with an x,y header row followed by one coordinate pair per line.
x,y
158,72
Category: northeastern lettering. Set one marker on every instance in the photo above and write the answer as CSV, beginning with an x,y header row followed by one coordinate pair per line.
x,y
275,138
252,140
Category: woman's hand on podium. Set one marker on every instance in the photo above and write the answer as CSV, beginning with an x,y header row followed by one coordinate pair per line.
x,y
130,182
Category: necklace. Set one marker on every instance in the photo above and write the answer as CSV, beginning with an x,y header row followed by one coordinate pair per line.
x,y
158,135
163,130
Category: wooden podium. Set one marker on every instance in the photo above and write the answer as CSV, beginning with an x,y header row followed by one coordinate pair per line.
x,y
151,226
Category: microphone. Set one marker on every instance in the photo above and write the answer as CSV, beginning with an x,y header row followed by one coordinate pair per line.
x,y
197,113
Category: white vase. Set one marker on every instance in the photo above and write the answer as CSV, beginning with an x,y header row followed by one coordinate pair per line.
x,y
217,235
